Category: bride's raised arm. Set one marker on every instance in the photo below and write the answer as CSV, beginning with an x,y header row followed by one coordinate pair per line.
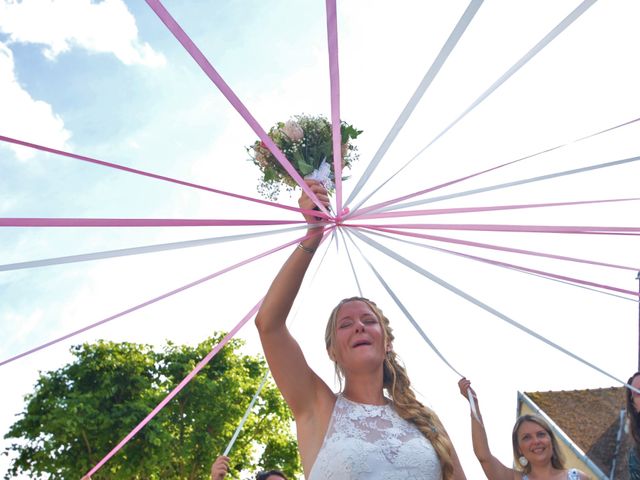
x,y
300,386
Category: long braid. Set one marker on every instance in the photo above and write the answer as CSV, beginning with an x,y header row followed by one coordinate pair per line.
x,y
396,382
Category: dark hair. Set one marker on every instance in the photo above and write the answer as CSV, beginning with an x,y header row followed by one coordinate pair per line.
x,y
556,457
632,413
265,475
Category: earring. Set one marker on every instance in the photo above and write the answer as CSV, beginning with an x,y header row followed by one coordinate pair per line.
x,y
523,461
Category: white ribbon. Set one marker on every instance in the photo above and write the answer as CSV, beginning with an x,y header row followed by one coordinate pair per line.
x,y
417,327
85,257
246,415
264,380
478,303
557,30
540,178
428,78
353,269
322,174
472,404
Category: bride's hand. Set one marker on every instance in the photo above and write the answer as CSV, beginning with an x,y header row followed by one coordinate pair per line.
x,y
306,203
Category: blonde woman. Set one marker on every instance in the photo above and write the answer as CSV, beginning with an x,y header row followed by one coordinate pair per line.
x,y
535,449
359,433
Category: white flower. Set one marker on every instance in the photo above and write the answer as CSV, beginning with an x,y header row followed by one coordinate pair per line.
x,y
292,130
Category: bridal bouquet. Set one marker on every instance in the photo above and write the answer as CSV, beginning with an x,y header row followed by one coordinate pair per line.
x,y
307,143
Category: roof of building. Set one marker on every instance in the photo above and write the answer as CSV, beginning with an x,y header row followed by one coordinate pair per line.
x,y
591,419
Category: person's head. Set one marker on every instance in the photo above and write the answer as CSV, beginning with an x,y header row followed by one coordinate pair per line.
x,y
633,398
533,439
271,475
359,336
633,407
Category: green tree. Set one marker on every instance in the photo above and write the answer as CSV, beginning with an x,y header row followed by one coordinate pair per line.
x,y
79,412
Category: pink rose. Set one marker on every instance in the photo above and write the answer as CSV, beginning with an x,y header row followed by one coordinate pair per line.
x,y
344,150
292,130
261,158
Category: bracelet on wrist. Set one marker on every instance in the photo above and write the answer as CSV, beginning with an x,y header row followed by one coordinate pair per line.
x,y
306,249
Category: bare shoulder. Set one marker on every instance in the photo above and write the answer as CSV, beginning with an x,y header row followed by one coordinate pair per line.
x,y
321,403
313,425
517,475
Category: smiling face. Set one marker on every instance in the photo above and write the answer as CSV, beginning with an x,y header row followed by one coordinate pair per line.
x,y
356,340
532,438
534,443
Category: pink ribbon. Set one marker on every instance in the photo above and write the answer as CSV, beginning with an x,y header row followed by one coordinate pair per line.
x,y
334,78
136,222
153,300
188,378
378,206
443,211
503,249
539,272
512,228
152,175
233,99
176,390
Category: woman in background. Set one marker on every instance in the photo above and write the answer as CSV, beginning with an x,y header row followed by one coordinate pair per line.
x,y
535,448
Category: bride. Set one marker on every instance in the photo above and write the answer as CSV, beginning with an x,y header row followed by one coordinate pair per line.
x,y
359,433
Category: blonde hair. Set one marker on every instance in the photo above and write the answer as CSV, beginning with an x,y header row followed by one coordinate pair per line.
x,y
398,386
557,460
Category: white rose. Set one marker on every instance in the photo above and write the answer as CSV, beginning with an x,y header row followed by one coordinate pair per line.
x,y
292,130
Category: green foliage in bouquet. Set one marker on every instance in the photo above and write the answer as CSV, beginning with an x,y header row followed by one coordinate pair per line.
x,y
306,141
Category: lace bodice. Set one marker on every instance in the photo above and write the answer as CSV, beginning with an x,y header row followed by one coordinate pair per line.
x,y
571,475
373,442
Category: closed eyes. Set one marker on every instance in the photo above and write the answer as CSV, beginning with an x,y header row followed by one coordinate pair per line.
x,y
366,320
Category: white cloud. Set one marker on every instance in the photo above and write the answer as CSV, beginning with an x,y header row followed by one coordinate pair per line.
x,y
24,117
105,27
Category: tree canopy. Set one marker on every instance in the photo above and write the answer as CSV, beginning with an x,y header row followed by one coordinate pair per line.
x,y
78,413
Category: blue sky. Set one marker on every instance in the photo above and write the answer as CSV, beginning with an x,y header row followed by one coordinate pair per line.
x,y
108,80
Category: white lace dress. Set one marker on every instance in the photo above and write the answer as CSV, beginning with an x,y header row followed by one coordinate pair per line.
x,y
373,442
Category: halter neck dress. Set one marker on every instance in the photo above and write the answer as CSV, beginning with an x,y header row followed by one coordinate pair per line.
x,y
372,442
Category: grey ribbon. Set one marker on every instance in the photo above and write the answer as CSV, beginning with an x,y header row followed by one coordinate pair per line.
x,y
479,303
557,30
447,48
86,257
